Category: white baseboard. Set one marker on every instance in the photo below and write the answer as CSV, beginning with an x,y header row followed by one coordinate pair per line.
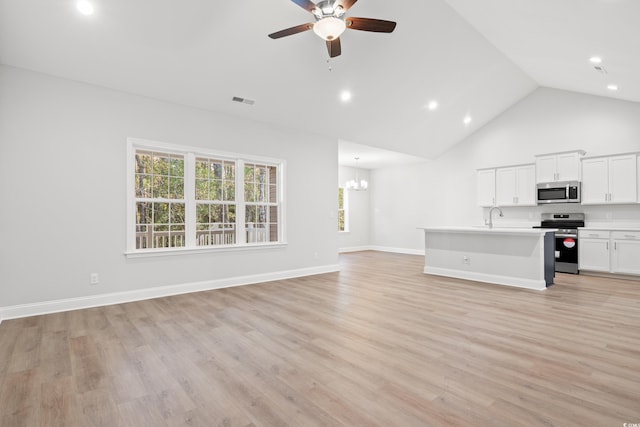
x,y
354,249
398,250
55,306
495,279
382,249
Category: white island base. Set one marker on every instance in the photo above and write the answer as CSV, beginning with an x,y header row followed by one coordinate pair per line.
x,y
521,257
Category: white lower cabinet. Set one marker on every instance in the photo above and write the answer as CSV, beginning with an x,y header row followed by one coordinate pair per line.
x,y
609,251
593,252
625,257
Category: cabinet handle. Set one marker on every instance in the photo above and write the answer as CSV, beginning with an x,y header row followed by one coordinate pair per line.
x,y
615,246
629,236
607,245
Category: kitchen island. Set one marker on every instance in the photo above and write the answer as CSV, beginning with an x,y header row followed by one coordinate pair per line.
x,y
520,257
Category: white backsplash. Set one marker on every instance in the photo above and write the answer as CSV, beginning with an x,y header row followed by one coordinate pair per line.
x,y
611,216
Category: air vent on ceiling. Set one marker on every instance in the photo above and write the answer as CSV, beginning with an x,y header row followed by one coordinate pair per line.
x,y
600,69
243,100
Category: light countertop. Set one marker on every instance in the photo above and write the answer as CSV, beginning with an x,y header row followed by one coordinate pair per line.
x,y
611,228
480,229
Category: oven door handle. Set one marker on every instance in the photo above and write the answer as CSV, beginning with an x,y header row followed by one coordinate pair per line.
x,y
575,236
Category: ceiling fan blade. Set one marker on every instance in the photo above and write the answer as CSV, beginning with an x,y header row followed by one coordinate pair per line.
x,y
290,31
334,47
368,24
305,4
346,4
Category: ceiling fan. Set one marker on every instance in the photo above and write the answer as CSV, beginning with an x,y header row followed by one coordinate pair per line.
x,y
331,23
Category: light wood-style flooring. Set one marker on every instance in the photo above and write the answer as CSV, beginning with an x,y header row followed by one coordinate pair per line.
x,y
378,344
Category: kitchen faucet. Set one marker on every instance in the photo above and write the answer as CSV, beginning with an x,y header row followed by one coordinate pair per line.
x,y
490,223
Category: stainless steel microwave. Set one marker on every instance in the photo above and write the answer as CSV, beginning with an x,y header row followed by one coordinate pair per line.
x,y
559,192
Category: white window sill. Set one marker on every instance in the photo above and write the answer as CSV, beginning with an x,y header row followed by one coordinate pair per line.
x,y
146,253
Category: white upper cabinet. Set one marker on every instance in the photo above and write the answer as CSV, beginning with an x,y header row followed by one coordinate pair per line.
x,y
611,179
515,186
595,180
559,166
486,180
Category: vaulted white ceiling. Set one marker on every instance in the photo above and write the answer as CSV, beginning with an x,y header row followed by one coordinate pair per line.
x,y
475,57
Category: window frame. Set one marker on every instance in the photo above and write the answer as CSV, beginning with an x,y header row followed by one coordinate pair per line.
x,y
190,154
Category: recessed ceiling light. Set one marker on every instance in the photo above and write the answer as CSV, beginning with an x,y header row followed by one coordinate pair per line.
x,y
467,120
432,105
84,7
595,60
345,96
612,87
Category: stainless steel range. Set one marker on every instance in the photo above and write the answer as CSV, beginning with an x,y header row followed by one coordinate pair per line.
x,y
566,250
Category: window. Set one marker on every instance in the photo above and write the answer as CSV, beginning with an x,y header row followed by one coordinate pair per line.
x,y
183,198
343,219
160,203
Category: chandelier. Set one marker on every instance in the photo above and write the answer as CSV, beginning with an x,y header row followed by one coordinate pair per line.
x,y
357,184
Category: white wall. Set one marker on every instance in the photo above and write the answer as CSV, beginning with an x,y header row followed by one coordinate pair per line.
x,y
443,191
357,238
62,176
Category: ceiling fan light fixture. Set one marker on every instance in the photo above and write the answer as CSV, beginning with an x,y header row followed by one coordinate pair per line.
x,y
329,28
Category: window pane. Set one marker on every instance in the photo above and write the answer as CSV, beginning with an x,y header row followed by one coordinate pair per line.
x,y
249,173
202,168
340,220
202,189
143,162
217,214
215,190
229,171
256,233
143,186
160,187
273,232
261,174
340,198
160,164
230,213
202,213
249,192
273,214
177,213
262,213
273,194
250,214
143,213
161,213
177,167
261,195
229,191
176,186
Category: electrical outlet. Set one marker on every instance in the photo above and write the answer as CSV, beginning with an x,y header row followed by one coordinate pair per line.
x,y
95,279
466,260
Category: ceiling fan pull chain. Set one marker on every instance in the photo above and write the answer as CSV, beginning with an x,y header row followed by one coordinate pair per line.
x,y
329,64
